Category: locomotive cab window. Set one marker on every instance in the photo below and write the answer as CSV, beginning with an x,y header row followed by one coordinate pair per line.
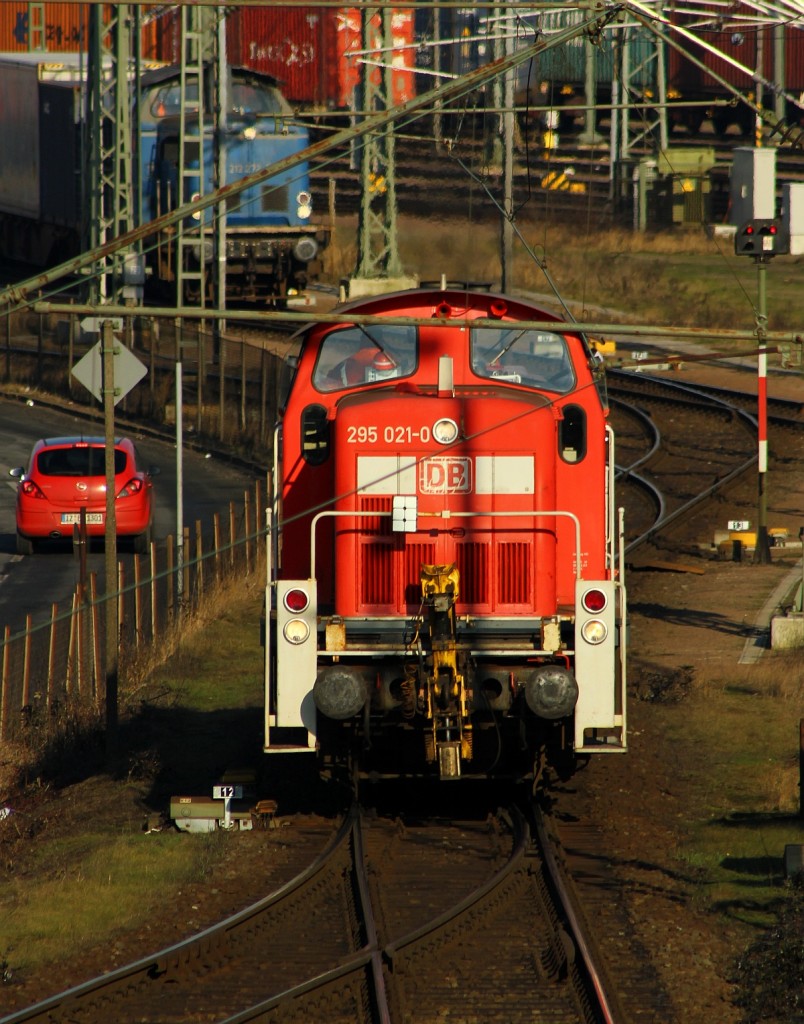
x,y
534,359
572,433
357,356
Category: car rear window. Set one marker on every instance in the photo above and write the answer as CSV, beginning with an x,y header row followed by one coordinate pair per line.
x,y
83,461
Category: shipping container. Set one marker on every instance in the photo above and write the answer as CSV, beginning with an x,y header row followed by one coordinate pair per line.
x,y
64,28
317,53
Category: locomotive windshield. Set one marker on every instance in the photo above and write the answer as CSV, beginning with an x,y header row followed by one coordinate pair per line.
x,y
535,359
365,355
255,98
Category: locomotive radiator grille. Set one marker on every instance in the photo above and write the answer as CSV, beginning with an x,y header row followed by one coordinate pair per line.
x,y
494,575
275,199
473,565
514,573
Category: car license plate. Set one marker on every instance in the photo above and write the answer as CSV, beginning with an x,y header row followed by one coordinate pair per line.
x,y
93,518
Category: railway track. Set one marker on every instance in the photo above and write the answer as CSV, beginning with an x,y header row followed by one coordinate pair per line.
x,y
689,444
399,920
440,178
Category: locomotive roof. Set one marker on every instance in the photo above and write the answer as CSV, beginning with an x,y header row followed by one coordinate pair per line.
x,y
171,71
415,296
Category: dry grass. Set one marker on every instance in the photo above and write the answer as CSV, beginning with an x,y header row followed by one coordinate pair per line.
x,y
674,278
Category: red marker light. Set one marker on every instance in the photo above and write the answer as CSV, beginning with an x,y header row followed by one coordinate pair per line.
x,y
594,601
296,601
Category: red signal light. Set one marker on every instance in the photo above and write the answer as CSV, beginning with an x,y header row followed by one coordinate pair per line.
x,y
296,600
594,601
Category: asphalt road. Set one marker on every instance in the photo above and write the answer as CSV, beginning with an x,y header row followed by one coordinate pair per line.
x,y
30,584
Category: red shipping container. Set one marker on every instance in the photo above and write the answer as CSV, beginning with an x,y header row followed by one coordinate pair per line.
x,y
65,26
313,51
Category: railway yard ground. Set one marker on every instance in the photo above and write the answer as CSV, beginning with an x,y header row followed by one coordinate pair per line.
x,y
692,822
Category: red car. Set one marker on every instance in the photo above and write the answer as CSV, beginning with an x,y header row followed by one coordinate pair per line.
x,y
68,474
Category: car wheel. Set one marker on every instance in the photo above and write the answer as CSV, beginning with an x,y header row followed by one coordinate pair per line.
x,y
25,546
142,542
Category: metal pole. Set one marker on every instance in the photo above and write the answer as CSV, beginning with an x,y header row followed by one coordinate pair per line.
x,y
508,174
110,536
762,554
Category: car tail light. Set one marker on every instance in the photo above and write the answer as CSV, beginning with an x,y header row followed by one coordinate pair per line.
x,y
296,600
134,486
30,489
594,601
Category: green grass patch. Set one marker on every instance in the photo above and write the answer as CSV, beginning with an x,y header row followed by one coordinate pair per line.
x,y
87,870
96,886
738,750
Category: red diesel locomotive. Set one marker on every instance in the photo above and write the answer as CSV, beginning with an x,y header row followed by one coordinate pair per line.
x,y
446,596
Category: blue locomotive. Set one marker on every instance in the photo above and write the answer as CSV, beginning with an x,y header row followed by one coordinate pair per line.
x,y
273,242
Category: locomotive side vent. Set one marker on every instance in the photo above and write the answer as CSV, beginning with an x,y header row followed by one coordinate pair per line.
x,y
514,573
274,200
473,563
377,553
415,556
377,577
381,525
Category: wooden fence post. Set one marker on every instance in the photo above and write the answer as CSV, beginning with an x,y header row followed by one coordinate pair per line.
x,y
4,682
137,600
199,560
216,542
247,528
170,577
154,595
26,671
186,566
51,655
71,673
232,534
98,668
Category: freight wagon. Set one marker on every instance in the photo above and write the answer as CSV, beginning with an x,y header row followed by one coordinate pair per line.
x,y
557,77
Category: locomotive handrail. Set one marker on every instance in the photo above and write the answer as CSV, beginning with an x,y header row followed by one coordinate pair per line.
x,y
448,514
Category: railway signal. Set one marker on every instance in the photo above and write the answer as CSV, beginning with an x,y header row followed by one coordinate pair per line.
x,y
761,238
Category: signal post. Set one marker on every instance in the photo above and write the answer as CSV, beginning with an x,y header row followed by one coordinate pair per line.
x,y
761,239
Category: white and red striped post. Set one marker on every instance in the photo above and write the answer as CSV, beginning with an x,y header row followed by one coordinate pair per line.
x,y
762,554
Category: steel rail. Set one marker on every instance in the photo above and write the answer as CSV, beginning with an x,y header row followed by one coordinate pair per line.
x,y
712,400
156,965
605,999
521,841
367,960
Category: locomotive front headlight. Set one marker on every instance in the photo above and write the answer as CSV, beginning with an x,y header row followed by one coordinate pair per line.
x,y
250,132
445,431
594,631
194,198
304,205
296,631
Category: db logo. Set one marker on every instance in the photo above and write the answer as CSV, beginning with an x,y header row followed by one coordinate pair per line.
x,y
445,476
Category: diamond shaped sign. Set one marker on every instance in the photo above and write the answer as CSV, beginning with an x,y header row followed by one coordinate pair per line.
x,y
127,370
